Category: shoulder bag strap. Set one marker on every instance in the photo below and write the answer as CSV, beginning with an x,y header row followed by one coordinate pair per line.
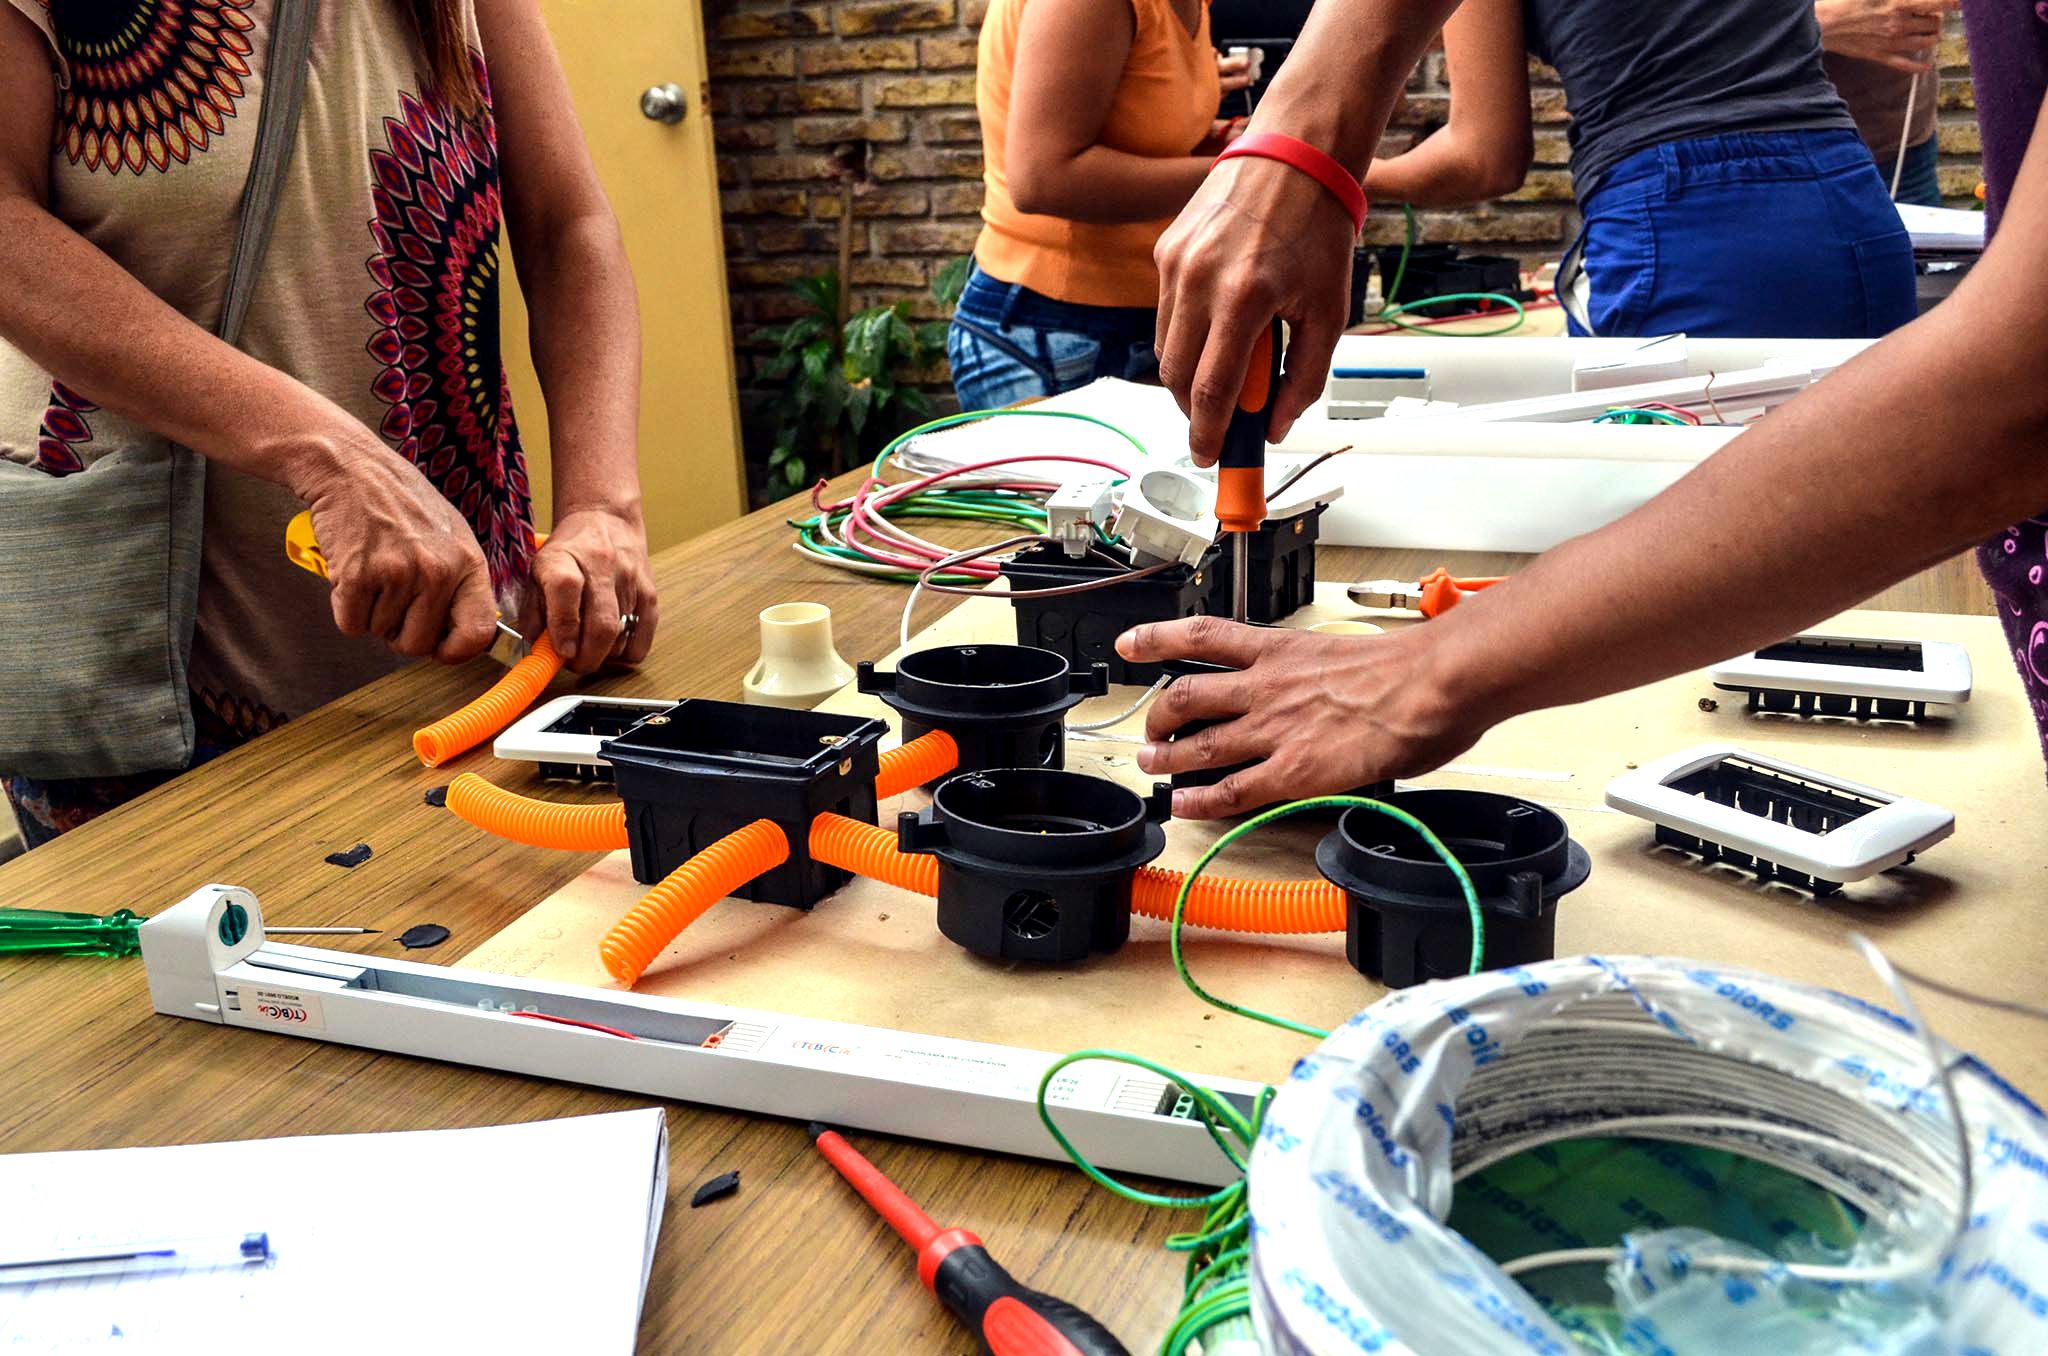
x,y
284,88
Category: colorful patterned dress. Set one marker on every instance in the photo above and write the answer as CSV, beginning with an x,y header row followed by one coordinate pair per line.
x,y
380,291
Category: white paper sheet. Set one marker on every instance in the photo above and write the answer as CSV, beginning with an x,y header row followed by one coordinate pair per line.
x,y
1942,229
513,1238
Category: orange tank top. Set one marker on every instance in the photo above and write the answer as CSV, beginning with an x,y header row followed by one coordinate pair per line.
x,y
1165,102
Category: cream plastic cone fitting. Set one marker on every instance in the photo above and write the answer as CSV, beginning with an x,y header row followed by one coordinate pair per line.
x,y
798,666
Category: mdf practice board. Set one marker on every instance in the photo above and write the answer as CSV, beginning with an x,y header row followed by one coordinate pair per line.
x,y
1970,910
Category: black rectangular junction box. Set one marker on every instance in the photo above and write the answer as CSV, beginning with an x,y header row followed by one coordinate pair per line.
x,y
697,771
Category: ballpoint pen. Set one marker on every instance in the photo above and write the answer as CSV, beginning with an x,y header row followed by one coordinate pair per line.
x,y
129,1259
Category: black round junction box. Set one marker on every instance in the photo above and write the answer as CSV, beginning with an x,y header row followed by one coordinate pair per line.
x,y
1004,705
1036,864
1407,921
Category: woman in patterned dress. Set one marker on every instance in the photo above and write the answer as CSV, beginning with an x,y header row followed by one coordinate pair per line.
x,y
368,384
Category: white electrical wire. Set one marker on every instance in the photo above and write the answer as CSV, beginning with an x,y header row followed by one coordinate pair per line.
x,y
1905,130
1927,981
1899,1269
909,606
842,563
1354,1173
1144,700
937,567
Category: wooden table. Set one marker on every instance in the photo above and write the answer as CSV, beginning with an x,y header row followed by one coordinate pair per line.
x,y
793,1262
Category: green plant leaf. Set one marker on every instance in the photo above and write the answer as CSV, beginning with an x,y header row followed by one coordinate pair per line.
x,y
859,401
931,338
951,279
900,335
913,400
866,340
821,290
832,397
803,330
817,362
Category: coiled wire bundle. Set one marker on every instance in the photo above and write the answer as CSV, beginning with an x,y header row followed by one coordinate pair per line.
x,y
1360,1151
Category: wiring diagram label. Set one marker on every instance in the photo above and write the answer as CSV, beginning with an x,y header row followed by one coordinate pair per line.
x,y
286,1008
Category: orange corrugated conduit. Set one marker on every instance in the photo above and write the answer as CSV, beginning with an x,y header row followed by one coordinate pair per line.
x,y
683,896
932,754
464,729
869,851
537,823
1258,906
1271,906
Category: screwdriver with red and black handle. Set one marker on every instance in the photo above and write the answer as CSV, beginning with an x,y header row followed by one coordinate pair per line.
x,y
1010,1319
1241,469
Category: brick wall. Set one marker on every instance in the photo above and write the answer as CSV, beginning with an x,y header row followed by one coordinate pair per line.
x,y
1956,121
795,84
797,87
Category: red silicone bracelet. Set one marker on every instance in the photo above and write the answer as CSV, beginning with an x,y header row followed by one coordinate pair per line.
x,y
1314,163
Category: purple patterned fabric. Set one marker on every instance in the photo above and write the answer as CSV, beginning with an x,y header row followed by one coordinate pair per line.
x,y
2013,563
2009,64
2009,68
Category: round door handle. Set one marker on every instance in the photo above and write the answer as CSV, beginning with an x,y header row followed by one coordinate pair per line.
x,y
664,103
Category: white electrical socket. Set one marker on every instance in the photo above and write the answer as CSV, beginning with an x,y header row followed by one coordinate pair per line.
x,y
1168,515
1075,511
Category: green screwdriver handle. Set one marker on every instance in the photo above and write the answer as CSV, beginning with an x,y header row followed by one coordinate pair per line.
x,y
43,931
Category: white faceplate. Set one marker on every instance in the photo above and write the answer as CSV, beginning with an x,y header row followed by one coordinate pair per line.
x,y
529,741
1944,674
1853,850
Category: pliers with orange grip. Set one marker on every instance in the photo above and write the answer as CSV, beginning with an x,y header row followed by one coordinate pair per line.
x,y
1432,595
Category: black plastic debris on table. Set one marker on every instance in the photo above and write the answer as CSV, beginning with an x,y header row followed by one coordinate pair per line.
x,y
422,935
718,1188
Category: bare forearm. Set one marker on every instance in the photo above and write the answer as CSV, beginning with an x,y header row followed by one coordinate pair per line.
x,y
88,321
1833,497
584,327
1364,48
1436,173
1107,186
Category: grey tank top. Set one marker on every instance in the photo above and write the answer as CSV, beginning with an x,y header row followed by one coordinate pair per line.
x,y
1639,73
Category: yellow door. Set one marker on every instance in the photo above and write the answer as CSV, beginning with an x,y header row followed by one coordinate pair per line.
x,y
663,184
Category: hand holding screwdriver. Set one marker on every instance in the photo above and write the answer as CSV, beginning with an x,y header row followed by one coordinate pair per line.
x,y
1241,470
1009,1318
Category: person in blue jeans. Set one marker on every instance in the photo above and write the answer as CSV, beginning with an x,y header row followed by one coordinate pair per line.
x,y
1008,343
1098,121
1723,186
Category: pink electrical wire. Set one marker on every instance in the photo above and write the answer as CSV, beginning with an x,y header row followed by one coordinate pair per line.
x,y
1669,408
892,545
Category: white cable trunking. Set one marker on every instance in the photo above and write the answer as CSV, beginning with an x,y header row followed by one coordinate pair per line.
x,y
208,959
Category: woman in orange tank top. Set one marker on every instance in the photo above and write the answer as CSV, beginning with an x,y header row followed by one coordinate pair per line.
x,y
1098,121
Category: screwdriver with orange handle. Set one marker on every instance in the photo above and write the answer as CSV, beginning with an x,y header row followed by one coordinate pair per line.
x,y
1241,470
1009,1318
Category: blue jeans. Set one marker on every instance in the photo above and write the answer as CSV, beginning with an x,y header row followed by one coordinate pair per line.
x,y
1920,176
1777,235
1008,343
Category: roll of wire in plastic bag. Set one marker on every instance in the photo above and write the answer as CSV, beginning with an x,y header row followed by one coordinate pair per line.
x,y
1361,1149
